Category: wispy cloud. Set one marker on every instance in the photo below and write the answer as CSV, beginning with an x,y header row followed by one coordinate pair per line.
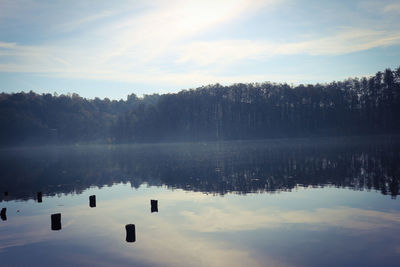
x,y
128,48
7,45
158,31
76,24
345,41
128,65
178,43
392,8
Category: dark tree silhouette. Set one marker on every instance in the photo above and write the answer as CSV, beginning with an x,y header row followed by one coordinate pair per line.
x,y
214,112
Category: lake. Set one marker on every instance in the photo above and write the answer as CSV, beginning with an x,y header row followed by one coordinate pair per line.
x,y
280,202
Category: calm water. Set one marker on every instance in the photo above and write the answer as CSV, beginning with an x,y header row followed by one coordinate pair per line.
x,y
302,202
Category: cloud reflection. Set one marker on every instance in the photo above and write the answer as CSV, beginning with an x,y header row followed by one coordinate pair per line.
x,y
180,233
216,220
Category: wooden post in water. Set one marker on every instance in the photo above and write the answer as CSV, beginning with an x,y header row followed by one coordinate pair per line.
x,y
56,221
130,233
6,193
154,205
92,201
3,214
39,197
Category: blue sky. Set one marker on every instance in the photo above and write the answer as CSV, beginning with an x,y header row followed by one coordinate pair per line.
x,y
103,49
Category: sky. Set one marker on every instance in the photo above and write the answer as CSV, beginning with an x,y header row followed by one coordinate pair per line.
x,y
115,48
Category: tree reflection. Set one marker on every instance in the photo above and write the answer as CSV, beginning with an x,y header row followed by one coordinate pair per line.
x,y
240,167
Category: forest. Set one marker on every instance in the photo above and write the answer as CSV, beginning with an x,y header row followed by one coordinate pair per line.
x,y
355,106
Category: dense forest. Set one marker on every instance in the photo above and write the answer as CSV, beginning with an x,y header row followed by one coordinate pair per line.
x,y
369,105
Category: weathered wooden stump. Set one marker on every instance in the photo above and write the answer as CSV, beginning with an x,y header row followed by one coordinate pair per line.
x,y
56,221
154,205
92,201
130,233
3,214
39,197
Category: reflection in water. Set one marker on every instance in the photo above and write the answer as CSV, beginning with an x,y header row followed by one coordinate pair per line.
x,y
92,201
314,227
3,214
154,205
241,167
56,222
319,227
130,233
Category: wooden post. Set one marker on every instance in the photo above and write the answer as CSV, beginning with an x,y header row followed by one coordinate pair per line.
x,y
154,205
3,214
39,197
6,193
130,233
92,201
56,222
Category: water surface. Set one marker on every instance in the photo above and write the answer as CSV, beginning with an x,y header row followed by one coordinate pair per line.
x,y
298,202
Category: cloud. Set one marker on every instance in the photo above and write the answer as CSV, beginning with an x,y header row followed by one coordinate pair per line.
x,y
72,62
6,45
392,8
166,42
157,32
133,47
76,24
228,51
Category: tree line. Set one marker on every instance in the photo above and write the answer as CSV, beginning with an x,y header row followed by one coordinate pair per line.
x,y
355,106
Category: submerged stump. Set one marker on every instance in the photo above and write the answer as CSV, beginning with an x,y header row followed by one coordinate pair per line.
x,y
3,214
92,201
39,197
56,221
154,205
130,233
